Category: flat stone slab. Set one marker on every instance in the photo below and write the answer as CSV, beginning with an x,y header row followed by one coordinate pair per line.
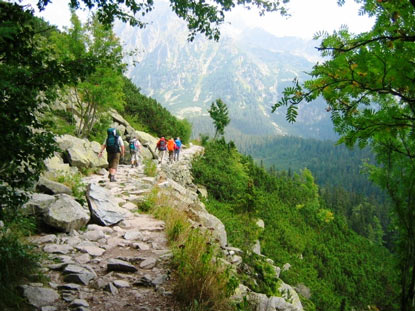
x,y
120,265
148,263
40,296
91,250
57,249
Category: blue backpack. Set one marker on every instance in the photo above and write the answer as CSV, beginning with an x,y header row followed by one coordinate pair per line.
x,y
112,141
133,149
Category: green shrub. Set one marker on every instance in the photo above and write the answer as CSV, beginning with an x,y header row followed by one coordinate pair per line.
x,y
74,181
202,282
99,130
59,122
150,168
18,262
150,201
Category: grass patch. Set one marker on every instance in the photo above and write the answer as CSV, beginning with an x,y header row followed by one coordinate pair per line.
x,y
74,181
202,281
150,168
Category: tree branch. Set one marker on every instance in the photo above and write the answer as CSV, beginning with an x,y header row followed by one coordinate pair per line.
x,y
362,43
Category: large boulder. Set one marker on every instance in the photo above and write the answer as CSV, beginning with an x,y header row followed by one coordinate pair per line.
x,y
289,294
263,303
66,214
55,166
38,204
48,186
38,296
103,206
81,153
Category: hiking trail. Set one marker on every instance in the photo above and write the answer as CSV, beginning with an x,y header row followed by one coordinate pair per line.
x,y
113,268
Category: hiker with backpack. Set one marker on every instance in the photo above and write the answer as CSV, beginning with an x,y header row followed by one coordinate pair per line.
x,y
170,147
178,143
161,147
135,148
115,150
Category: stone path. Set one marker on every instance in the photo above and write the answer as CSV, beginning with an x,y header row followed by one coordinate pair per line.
x,y
122,267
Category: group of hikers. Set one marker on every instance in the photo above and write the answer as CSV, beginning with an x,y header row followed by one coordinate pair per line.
x,y
173,146
116,150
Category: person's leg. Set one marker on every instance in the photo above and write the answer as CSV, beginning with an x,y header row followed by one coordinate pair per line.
x,y
134,159
160,156
113,159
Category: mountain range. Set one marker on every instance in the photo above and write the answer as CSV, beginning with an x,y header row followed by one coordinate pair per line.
x,y
248,68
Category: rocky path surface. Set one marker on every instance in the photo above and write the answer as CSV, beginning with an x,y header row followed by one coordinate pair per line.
x,y
119,267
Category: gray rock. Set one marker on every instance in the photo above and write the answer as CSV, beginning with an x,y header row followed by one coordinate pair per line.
x,y
57,249
160,279
79,275
66,214
104,209
48,308
260,223
93,235
38,204
83,259
290,295
145,281
148,263
111,288
50,238
142,246
256,248
70,286
303,290
120,265
133,235
55,167
39,296
79,303
48,186
286,267
121,283
81,152
91,250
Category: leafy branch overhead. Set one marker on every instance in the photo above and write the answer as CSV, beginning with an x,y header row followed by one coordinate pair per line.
x,y
368,82
200,16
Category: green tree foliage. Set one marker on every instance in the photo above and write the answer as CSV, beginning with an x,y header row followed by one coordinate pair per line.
x,y
368,83
339,172
201,17
148,115
103,88
342,269
29,75
219,113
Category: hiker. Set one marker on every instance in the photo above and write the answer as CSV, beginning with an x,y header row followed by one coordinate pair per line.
x,y
161,147
178,143
135,149
170,147
115,150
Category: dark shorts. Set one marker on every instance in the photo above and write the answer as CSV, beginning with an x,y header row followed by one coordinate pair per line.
x,y
113,160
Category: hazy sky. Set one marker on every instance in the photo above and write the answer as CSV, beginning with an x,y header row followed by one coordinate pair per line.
x,y
308,17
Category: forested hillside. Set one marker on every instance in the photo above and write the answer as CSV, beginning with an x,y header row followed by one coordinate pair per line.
x,y
339,172
343,270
